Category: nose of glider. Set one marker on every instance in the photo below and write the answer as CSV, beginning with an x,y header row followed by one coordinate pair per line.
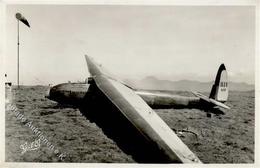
x,y
55,93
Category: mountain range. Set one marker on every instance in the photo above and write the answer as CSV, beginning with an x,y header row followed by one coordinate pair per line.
x,y
152,83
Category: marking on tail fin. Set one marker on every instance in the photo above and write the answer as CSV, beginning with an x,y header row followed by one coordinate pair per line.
x,y
222,89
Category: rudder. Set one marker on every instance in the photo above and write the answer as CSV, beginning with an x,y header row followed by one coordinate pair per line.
x,y
219,89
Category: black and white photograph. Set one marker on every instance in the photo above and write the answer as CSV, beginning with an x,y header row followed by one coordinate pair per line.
x,y
129,83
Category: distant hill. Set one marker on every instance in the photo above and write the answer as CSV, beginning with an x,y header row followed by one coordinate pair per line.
x,y
153,83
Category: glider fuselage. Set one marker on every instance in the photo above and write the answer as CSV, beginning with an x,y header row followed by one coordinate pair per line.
x,y
74,93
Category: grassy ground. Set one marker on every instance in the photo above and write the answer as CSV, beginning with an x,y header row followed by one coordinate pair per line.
x,y
220,139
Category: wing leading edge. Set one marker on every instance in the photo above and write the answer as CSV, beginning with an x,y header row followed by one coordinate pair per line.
x,y
149,124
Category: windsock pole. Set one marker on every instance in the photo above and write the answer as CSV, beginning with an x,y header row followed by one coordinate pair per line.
x,y
18,43
21,18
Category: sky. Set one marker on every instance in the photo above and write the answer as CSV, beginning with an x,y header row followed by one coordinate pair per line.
x,y
132,42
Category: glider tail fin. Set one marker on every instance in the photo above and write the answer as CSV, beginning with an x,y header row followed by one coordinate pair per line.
x,y
219,91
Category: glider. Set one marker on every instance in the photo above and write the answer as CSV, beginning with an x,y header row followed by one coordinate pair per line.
x,y
134,113
74,93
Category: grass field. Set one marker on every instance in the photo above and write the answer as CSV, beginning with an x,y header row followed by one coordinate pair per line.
x,y
227,138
